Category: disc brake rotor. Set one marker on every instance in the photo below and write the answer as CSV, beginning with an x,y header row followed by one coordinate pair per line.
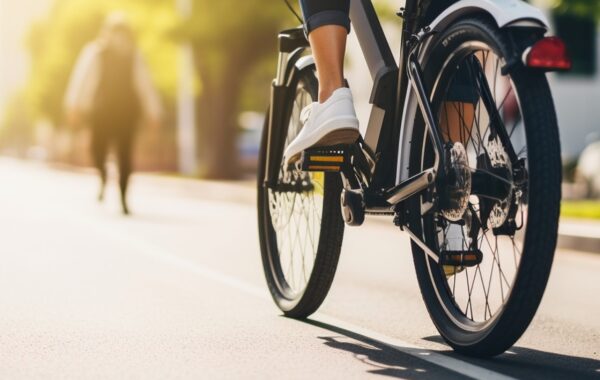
x,y
499,159
456,192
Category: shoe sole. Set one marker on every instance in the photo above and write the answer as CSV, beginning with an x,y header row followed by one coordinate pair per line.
x,y
337,137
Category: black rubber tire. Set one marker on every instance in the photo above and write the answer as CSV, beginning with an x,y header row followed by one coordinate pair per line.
x,y
331,229
543,149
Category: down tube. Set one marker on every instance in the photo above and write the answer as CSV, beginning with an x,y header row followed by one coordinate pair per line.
x,y
384,73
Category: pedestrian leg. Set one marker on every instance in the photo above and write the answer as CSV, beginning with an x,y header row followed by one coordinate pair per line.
x,y
124,158
99,150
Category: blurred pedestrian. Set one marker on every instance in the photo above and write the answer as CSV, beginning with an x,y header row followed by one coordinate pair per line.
x,y
111,90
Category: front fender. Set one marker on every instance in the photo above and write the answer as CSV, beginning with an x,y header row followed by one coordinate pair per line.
x,y
300,63
304,61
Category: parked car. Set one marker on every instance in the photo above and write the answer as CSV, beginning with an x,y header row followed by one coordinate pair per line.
x,y
588,169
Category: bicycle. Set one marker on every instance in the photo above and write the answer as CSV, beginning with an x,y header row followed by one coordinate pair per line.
x,y
480,204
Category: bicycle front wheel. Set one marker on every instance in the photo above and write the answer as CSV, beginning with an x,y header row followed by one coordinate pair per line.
x,y
502,128
300,223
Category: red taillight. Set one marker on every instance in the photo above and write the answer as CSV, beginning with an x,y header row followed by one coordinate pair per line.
x,y
549,53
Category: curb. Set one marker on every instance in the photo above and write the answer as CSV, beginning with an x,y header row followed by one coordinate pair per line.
x,y
580,235
579,243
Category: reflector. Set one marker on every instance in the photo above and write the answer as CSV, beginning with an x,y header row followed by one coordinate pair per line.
x,y
549,53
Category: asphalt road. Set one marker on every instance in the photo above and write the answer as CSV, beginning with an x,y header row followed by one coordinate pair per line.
x,y
177,291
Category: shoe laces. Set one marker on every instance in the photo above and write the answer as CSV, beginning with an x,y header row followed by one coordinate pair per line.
x,y
305,114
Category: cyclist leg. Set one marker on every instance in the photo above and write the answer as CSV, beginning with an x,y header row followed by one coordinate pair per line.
x,y
332,120
327,24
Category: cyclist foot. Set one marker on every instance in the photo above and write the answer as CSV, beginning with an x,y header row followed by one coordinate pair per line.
x,y
325,124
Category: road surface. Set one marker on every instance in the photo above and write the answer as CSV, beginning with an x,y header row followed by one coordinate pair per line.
x,y
177,291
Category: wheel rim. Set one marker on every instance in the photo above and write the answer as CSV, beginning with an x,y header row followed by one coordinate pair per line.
x,y
295,209
473,297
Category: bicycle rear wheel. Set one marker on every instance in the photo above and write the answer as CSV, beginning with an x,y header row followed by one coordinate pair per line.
x,y
300,224
481,308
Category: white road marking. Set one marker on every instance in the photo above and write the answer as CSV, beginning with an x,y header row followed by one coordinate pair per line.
x,y
158,254
430,356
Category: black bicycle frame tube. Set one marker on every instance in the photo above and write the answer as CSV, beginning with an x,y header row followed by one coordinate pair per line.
x,y
390,84
384,72
487,97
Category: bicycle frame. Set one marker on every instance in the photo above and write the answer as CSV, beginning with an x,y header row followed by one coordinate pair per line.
x,y
397,91
402,166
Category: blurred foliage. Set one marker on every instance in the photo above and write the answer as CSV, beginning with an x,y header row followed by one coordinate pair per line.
x,y
583,8
55,42
234,43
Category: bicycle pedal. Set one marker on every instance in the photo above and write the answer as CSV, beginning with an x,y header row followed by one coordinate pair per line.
x,y
326,159
468,258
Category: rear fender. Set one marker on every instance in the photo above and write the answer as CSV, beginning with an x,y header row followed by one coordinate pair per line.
x,y
506,13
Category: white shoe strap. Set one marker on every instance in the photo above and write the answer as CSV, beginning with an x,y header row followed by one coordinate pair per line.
x,y
305,113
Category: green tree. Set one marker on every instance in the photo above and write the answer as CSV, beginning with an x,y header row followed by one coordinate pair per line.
x,y
586,8
230,39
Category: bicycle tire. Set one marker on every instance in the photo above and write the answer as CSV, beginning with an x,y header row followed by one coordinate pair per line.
x,y
543,205
306,299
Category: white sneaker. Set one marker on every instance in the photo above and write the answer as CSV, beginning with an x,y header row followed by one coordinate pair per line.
x,y
324,124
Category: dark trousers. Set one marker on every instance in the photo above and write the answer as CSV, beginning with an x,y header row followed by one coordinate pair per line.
x,y
325,12
335,12
119,137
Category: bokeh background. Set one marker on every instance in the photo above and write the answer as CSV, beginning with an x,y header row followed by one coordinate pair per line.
x,y
212,63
